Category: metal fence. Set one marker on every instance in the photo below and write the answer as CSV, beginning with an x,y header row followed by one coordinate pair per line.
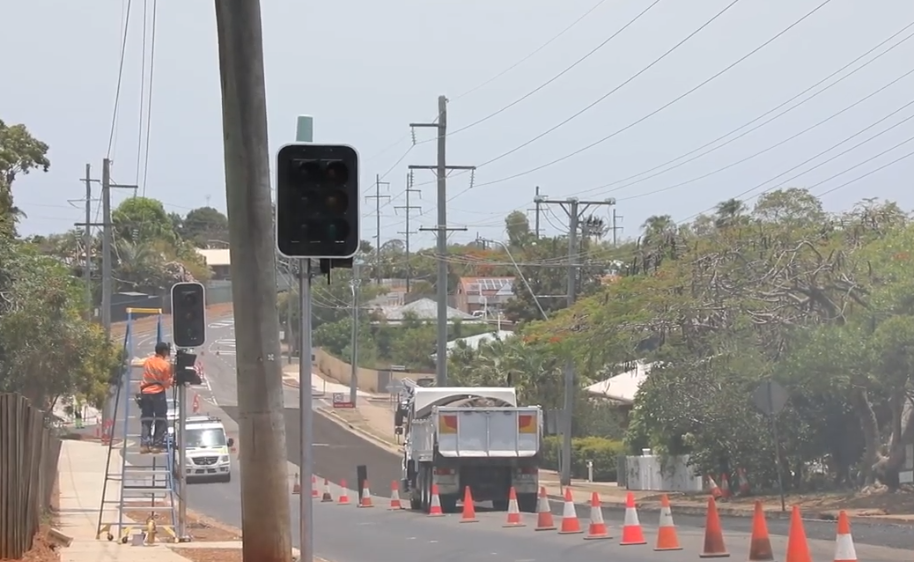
x,y
29,451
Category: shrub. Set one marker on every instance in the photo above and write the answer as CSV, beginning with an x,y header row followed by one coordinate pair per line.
x,y
603,452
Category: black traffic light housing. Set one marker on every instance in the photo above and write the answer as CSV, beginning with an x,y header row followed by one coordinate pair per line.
x,y
188,314
317,202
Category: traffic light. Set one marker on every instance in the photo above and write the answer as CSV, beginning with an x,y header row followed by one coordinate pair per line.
x,y
317,201
188,314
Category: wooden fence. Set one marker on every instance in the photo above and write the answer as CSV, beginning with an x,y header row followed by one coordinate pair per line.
x,y
29,451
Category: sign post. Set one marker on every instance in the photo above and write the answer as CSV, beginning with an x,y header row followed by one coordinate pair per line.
x,y
770,398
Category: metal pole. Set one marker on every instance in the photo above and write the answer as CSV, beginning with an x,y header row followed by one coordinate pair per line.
x,y
569,365
354,375
441,363
304,132
777,449
106,247
87,241
304,406
182,463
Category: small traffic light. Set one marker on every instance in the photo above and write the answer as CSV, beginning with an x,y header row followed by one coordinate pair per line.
x,y
317,201
188,314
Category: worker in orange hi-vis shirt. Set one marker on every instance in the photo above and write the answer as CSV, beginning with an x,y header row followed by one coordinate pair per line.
x,y
157,379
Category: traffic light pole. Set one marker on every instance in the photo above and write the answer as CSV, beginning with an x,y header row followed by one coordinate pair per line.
x,y
181,531
304,132
304,406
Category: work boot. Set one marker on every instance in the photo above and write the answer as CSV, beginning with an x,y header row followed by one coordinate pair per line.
x,y
144,449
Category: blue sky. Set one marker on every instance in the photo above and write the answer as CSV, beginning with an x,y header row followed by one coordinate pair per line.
x,y
366,69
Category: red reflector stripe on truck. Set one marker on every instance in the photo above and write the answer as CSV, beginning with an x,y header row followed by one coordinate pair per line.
x,y
447,424
526,423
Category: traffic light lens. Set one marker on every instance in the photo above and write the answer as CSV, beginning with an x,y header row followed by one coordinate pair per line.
x,y
336,202
337,173
322,231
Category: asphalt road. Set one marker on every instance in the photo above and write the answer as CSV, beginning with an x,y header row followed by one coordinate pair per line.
x,y
349,534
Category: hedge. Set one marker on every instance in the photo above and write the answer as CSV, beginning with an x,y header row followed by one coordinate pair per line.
x,y
603,452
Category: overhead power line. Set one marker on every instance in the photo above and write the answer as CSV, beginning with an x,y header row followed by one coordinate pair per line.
x,y
652,113
120,77
760,117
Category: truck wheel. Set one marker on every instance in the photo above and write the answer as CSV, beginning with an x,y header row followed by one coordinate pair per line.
x,y
449,502
526,503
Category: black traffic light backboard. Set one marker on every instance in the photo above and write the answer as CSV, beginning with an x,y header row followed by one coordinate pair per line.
x,y
188,314
317,201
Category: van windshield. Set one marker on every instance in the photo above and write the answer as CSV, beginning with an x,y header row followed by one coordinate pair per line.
x,y
205,438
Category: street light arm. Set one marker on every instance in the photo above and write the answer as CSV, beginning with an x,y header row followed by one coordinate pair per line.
x,y
519,274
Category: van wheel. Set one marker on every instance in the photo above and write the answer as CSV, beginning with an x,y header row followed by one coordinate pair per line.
x,y
448,503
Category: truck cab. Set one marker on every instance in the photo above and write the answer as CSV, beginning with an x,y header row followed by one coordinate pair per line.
x,y
207,449
474,437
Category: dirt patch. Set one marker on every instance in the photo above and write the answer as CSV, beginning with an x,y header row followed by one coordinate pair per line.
x,y
199,527
868,502
211,554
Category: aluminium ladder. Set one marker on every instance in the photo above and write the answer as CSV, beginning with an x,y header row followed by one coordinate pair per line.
x,y
141,482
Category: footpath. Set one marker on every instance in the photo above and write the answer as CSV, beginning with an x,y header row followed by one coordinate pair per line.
x,y
373,418
81,478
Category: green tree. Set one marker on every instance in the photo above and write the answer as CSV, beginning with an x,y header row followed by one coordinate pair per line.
x,y
142,220
20,153
204,226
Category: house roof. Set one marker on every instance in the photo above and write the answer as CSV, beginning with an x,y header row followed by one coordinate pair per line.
x,y
215,257
424,309
491,285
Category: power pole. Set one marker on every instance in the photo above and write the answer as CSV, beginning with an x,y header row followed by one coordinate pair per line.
x,y
107,242
264,480
377,250
87,242
441,169
575,209
408,233
354,360
615,227
538,208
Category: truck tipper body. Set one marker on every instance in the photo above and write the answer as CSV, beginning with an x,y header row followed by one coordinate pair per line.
x,y
479,437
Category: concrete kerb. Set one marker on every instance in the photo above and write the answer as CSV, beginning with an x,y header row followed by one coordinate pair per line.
x,y
337,419
555,501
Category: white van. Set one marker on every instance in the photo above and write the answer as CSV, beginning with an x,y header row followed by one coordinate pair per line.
x,y
207,449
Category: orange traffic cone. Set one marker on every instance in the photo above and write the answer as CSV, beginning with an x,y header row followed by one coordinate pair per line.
x,y
797,546
544,520
366,496
760,543
714,535
713,488
597,529
667,539
344,493
326,497
844,542
296,486
514,519
469,508
434,509
632,534
395,504
314,492
570,523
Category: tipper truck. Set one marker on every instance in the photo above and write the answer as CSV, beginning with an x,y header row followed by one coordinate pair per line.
x,y
455,437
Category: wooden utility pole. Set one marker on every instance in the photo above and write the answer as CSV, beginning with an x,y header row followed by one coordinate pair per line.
x,y
108,243
377,209
441,169
262,443
575,209
408,233
615,227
